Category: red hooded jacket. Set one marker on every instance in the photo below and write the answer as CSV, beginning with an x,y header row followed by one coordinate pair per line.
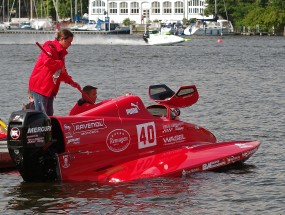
x,y
42,80
80,107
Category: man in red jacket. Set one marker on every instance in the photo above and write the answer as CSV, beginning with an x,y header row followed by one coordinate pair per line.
x,y
84,104
49,72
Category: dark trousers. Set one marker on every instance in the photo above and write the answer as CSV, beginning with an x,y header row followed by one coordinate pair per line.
x,y
43,103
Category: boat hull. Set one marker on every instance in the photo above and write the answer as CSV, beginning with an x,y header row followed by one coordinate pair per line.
x,y
5,159
221,27
161,39
208,31
173,163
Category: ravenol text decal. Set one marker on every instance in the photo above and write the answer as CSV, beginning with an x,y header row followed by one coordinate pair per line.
x,y
87,127
146,135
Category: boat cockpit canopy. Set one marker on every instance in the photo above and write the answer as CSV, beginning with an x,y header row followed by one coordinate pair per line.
x,y
184,97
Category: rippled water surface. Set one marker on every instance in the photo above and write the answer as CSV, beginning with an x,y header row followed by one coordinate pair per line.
x,y
241,82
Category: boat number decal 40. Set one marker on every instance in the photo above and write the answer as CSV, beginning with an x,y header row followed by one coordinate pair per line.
x,y
146,135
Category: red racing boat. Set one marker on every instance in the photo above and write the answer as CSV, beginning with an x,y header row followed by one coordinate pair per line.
x,y
120,140
5,159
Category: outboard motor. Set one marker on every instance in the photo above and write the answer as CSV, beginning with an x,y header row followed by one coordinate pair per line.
x,y
29,140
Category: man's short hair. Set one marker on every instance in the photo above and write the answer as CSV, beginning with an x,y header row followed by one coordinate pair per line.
x,y
88,88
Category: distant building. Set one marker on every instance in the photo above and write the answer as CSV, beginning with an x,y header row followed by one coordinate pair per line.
x,y
141,11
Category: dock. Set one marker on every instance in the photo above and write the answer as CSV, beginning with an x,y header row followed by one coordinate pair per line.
x,y
9,37
42,32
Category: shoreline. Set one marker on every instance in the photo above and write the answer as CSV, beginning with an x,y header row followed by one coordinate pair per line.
x,y
25,37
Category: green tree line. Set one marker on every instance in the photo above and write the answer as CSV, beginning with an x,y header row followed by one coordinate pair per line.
x,y
42,8
250,13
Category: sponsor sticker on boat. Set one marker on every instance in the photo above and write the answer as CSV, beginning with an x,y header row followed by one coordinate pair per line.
x,y
133,110
242,145
15,133
249,153
66,162
66,127
118,140
213,164
174,139
190,171
68,135
174,126
233,159
35,139
74,141
88,127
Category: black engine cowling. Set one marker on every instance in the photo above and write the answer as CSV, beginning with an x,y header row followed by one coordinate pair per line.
x,y
29,140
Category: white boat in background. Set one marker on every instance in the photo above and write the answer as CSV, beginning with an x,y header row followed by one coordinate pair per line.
x,y
167,29
41,24
86,27
90,26
172,27
2,26
156,38
213,27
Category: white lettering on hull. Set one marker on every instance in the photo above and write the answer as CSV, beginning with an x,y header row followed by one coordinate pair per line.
x,y
86,127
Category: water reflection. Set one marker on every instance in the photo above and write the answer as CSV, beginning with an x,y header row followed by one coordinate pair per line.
x,y
237,168
93,197
146,196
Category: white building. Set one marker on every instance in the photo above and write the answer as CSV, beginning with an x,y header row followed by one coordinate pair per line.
x,y
142,10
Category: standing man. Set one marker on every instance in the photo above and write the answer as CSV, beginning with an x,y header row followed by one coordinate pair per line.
x,y
50,71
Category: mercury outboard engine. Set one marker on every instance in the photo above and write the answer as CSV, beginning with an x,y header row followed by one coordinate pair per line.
x,y
30,145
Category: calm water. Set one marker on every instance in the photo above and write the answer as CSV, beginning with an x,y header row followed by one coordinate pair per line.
x,y
241,85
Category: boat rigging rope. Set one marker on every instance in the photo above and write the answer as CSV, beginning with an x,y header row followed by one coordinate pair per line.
x,y
226,10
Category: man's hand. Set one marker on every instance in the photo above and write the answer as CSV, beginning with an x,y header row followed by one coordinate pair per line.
x,y
75,85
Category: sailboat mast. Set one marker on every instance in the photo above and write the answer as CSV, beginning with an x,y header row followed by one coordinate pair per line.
x,y
75,11
215,7
19,10
80,8
55,4
31,9
3,6
71,9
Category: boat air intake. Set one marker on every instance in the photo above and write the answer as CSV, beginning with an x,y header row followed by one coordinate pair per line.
x,y
29,137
